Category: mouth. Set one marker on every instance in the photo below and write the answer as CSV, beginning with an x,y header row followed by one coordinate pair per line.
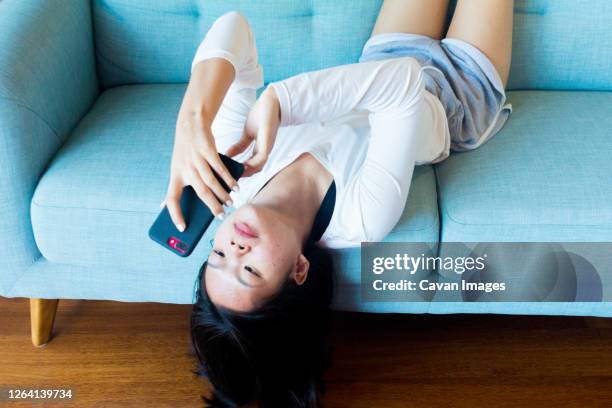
x,y
244,230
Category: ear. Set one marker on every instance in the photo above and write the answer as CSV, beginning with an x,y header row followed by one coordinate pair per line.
x,y
301,270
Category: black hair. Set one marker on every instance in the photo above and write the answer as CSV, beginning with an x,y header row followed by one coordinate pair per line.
x,y
273,356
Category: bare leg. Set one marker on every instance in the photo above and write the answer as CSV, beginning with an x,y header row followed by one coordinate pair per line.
x,y
487,25
426,17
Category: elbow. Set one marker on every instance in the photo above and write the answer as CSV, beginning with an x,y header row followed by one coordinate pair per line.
x,y
379,233
231,23
377,230
233,17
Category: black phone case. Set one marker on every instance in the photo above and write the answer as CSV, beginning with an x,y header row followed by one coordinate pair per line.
x,y
197,217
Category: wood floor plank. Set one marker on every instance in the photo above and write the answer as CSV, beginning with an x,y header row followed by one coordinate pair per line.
x,y
139,354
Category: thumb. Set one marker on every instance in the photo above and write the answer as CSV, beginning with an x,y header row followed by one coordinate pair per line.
x,y
240,146
265,142
173,198
255,163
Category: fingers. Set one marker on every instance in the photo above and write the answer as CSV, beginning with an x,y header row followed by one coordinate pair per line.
x,y
265,142
221,170
175,190
205,174
206,195
173,197
269,120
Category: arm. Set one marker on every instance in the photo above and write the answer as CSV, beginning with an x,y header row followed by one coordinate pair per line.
x,y
224,75
401,122
325,95
195,152
47,84
210,79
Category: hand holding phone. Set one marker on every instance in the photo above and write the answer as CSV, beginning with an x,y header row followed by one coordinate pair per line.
x,y
196,214
196,162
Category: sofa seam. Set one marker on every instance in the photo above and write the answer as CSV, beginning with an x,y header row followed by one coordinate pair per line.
x,y
438,205
446,213
42,257
88,208
108,61
35,113
428,227
26,269
68,264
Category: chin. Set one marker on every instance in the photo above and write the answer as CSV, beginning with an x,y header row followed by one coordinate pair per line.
x,y
248,213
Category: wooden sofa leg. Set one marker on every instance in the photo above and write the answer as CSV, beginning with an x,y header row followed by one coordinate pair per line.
x,y
42,316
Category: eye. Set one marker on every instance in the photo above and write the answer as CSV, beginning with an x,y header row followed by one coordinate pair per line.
x,y
216,251
251,271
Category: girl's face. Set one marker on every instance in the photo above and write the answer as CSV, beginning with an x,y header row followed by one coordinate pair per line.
x,y
255,251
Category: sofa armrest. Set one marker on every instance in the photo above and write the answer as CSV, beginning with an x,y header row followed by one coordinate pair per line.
x,y
47,83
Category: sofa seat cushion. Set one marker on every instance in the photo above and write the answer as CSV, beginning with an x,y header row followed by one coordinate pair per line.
x,y
95,203
547,176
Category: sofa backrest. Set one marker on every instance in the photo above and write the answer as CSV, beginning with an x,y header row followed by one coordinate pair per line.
x,y
155,40
558,44
562,44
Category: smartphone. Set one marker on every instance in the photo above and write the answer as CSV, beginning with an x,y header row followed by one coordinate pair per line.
x,y
197,217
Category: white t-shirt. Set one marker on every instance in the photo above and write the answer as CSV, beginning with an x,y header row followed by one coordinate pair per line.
x,y
368,124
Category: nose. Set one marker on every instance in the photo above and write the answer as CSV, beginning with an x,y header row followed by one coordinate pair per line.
x,y
239,248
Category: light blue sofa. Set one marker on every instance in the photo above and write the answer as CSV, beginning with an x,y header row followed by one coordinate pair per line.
x,y
90,90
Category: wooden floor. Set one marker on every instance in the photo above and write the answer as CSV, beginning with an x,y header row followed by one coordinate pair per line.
x,y
138,355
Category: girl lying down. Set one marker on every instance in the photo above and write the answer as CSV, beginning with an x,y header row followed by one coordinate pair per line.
x,y
329,159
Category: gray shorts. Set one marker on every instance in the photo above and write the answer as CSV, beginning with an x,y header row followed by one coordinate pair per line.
x,y
460,75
